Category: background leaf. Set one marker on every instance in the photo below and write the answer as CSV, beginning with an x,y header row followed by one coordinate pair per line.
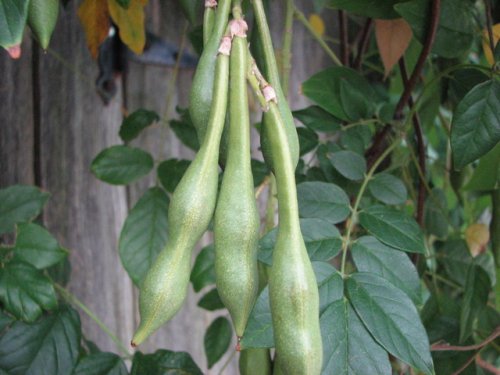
x,y
349,164
13,15
317,119
170,173
35,245
94,17
120,165
20,203
42,19
25,291
323,200
455,32
393,37
477,288
211,301
203,272
308,140
348,348
101,364
475,128
367,8
130,22
48,347
137,121
144,233
393,228
322,241
164,362
388,189
217,340
391,318
324,89
370,255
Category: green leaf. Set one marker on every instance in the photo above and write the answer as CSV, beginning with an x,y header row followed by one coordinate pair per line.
x,y
330,289
355,103
477,289
368,8
121,165
164,362
47,347
476,123
388,189
211,301
5,321
259,331
184,130
393,228
42,19
13,15
136,122
464,80
190,9
203,272
456,260
370,255
486,176
144,233
349,164
101,364
322,241
455,32
317,119
20,203
25,291
324,88
391,318
170,173
323,200
436,214
308,140
217,340
35,245
348,348
259,172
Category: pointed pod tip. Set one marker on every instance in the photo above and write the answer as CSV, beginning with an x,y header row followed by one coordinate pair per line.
x,y
14,51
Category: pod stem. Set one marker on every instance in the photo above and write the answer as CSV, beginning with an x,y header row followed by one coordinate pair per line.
x,y
208,20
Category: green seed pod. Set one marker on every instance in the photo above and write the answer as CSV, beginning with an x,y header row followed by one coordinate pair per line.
x,y
200,98
208,19
293,291
164,288
236,225
42,18
270,70
255,361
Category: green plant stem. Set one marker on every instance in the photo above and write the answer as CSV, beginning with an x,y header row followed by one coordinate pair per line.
x,y
354,215
236,10
271,204
302,19
444,280
361,122
286,53
69,297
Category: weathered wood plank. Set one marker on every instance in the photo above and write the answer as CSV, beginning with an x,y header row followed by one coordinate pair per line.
x,y
85,214
16,118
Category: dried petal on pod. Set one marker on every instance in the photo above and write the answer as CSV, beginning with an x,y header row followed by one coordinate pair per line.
x,y
210,3
225,45
238,27
269,94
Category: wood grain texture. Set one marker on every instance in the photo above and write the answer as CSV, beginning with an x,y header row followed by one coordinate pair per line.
x,y
16,118
84,214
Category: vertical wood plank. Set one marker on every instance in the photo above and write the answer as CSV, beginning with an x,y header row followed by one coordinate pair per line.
x,y
16,118
85,214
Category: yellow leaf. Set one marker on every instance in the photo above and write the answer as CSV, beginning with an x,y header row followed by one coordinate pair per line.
x,y
130,22
486,42
317,24
477,237
94,17
393,37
